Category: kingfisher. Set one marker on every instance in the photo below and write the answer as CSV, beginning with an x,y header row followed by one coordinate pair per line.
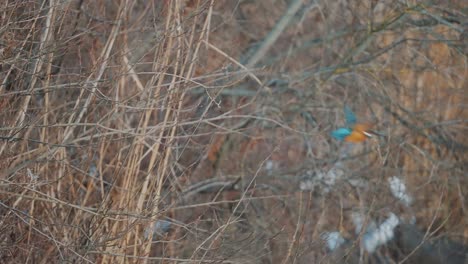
x,y
353,132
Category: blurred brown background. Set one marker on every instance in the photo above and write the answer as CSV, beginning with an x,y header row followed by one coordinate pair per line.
x,y
199,131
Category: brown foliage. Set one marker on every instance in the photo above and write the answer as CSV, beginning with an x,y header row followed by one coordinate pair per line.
x,y
119,117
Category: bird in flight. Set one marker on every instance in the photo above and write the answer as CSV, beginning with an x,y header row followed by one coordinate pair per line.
x,y
353,132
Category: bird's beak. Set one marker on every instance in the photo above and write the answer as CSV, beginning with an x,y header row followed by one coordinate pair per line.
x,y
375,133
367,134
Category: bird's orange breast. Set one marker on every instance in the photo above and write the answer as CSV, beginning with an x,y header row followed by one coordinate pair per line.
x,y
358,134
356,137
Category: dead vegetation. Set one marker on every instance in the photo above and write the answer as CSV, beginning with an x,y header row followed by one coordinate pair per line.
x,y
198,131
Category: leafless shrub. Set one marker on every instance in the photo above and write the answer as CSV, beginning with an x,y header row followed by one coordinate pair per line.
x,y
199,131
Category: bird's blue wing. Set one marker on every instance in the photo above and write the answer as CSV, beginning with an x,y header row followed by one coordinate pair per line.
x,y
350,117
341,133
